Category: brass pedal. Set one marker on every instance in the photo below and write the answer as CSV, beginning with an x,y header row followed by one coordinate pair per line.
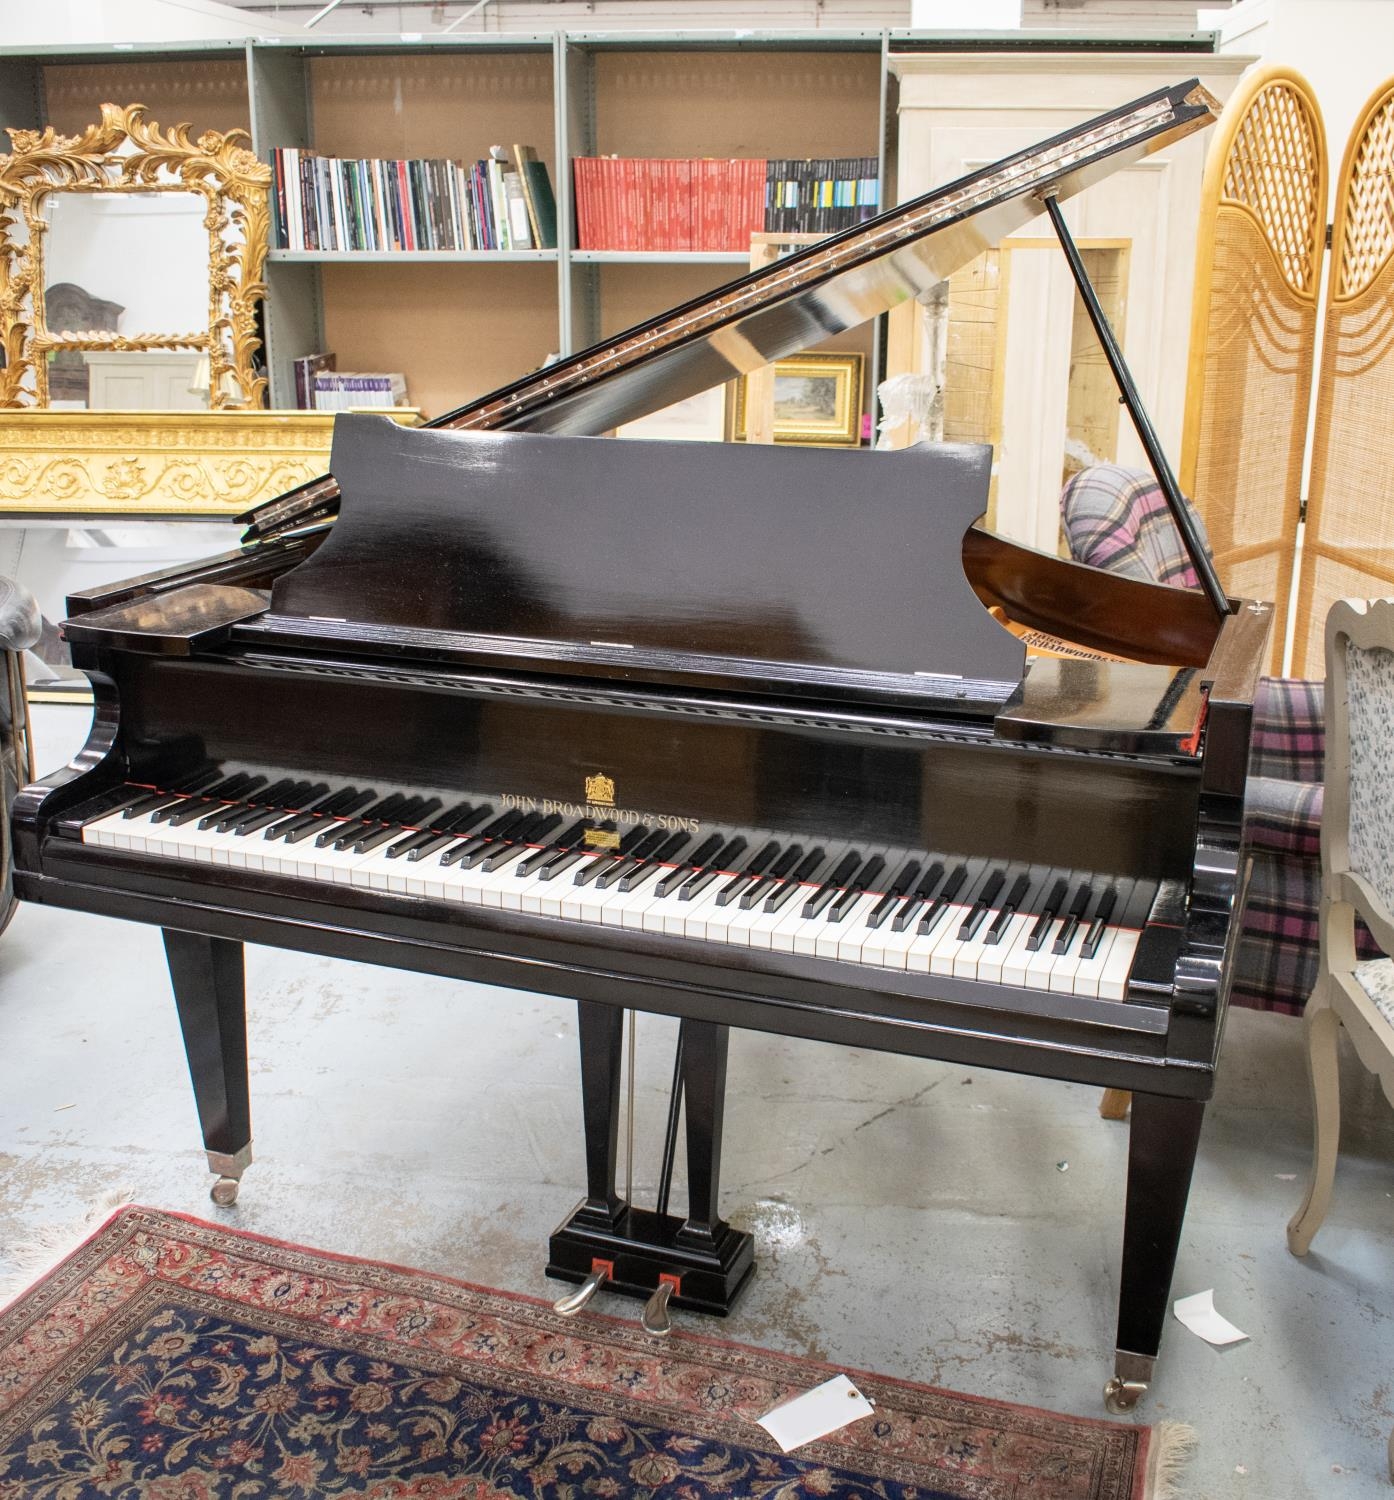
x,y
574,1302
655,1319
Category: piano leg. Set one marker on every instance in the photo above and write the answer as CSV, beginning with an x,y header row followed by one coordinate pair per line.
x,y
703,1261
1161,1154
210,993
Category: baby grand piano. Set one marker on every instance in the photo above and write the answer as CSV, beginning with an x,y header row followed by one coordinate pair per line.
x,y
716,732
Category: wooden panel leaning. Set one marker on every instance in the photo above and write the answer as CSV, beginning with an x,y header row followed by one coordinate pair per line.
x,y
1254,314
1348,551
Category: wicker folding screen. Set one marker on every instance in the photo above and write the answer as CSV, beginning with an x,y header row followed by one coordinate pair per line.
x,y
1349,545
1253,332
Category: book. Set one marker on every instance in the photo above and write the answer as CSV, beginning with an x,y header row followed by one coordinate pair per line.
x,y
519,224
304,371
668,203
820,195
538,195
342,390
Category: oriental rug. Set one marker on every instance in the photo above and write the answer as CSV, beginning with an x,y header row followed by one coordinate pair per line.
x,y
172,1359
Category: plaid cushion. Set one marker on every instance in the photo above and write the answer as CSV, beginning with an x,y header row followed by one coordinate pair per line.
x,y
1289,738
1117,519
1283,817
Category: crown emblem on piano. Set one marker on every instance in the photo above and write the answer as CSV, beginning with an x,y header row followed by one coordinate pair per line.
x,y
600,788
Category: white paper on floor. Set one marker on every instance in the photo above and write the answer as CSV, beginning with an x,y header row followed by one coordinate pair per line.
x,y
1199,1315
816,1413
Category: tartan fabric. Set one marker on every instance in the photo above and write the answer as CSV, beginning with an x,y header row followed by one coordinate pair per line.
x,y
1116,519
1289,738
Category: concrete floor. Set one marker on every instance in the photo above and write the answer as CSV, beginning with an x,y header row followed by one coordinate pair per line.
x,y
923,1221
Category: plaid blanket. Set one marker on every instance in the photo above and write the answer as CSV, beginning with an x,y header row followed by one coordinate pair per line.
x,y
1117,519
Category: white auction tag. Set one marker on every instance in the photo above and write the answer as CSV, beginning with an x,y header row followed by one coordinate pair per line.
x,y
816,1413
1199,1315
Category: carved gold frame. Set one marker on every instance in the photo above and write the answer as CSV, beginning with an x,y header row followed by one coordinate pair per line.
x,y
236,187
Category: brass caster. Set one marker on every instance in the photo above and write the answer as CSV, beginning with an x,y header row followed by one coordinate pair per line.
x,y
1121,1396
656,1321
224,1192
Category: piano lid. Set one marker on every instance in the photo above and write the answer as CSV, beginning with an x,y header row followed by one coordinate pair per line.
x,y
838,283
768,570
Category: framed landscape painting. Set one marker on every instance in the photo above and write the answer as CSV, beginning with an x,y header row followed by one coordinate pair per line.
x,y
817,399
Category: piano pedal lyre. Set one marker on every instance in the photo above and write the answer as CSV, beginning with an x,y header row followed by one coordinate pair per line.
x,y
229,1169
575,1302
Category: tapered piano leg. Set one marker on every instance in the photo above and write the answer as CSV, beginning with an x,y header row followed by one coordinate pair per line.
x,y
1161,1155
601,1029
210,993
704,1090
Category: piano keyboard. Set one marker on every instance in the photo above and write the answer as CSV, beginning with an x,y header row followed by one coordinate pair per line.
x,y
996,921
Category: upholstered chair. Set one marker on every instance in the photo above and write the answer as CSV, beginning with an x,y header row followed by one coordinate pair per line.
x,y
1117,519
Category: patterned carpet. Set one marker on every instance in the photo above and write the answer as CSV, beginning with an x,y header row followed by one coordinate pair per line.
x,y
170,1359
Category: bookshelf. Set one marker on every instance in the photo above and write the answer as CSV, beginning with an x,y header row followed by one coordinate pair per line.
x,y
460,323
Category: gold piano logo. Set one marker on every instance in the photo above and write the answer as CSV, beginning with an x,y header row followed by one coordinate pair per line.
x,y
600,790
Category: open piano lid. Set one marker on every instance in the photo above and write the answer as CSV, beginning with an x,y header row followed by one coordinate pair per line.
x,y
838,283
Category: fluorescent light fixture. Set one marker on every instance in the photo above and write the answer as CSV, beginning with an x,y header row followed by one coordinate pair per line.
x,y
460,20
319,15
965,15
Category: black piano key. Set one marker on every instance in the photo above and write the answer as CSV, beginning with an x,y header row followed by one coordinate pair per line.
x,y
1041,930
896,892
220,791
679,876
463,848
341,805
143,800
438,827
557,860
807,867
754,867
197,807
490,846
616,858
408,814
857,887
947,894
521,841
982,904
831,888
564,842
915,899
722,862
267,812
340,837
224,818
661,857
1083,896
625,861
462,825
1097,927
764,884
1009,908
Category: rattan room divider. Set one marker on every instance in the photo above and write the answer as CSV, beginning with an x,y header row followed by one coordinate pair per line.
x,y
1349,545
1254,315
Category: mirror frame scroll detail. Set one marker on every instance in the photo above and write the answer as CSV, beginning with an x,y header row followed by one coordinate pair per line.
x,y
236,189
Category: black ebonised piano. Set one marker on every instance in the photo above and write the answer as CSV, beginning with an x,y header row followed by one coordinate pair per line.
x,y
718,732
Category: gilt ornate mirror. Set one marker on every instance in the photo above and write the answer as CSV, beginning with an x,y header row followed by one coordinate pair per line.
x,y
131,262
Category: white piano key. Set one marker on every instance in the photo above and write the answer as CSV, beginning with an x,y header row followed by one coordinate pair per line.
x,y
850,934
1113,983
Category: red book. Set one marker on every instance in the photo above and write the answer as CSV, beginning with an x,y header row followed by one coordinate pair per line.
x,y
580,210
684,234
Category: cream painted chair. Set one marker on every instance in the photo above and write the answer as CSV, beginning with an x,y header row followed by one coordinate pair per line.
x,y
1357,862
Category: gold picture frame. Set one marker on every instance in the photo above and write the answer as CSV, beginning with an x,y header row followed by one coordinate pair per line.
x,y
817,400
126,153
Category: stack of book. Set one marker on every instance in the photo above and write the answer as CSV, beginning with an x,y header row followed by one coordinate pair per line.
x,y
345,390
821,195
684,203
331,203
